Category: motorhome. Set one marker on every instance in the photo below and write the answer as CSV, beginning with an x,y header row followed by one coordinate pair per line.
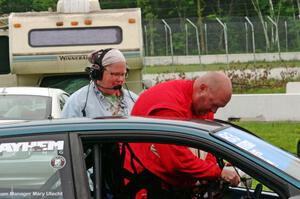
x,y
51,48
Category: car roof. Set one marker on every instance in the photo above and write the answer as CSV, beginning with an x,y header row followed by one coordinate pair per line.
x,y
2,122
108,123
41,91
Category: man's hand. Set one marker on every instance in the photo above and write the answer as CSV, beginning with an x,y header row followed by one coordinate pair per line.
x,y
230,176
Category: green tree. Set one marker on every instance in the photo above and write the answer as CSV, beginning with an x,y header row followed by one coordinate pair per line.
x,y
7,6
43,5
149,17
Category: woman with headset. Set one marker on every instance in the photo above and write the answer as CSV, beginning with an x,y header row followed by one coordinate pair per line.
x,y
104,95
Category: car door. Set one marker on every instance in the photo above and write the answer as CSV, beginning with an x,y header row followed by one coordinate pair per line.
x,y
36,166
99,172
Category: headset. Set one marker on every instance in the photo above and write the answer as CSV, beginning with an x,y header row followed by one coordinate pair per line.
x,y
96,73
96,70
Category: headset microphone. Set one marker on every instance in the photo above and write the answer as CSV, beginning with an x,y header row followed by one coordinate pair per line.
x,y
117,87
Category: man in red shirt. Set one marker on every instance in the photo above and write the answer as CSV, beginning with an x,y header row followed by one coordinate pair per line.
x,y
177,165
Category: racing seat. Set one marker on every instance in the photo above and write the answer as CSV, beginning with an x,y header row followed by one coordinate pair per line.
x,y
115,174
116,182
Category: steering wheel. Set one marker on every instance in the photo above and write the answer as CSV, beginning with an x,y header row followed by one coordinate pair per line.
x,y
219,189
212,189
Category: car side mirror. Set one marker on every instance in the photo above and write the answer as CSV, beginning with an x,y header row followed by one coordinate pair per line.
x,y
298,149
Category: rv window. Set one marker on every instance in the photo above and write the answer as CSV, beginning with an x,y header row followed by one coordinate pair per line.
x,y
75,36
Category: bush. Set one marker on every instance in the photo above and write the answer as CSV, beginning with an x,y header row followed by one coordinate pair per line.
x,y
249,79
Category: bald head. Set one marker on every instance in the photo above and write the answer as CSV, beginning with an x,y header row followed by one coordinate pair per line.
x,y
211,91
217,82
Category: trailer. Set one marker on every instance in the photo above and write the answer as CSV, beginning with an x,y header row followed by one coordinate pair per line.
x,y
50,49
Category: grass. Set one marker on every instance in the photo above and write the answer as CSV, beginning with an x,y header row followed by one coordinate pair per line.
x,y
213,67
281,134
261,90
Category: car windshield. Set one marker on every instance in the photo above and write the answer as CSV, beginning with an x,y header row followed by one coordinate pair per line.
x,y
24,107
262,150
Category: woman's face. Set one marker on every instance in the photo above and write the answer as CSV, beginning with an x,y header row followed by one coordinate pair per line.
x,y
113,75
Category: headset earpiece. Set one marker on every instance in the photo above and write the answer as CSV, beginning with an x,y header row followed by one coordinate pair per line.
x,y
96,70
127,71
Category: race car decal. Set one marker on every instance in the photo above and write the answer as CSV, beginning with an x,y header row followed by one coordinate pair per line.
x,y
58,162
256,146
48,145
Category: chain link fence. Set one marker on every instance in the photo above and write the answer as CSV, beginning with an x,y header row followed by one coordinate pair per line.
x,y
190,37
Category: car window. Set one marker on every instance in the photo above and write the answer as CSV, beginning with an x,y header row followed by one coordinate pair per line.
x,y
274,156
35,167
24,107
116,176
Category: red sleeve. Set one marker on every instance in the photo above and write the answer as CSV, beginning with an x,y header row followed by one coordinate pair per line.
x,y
177,164
183,154
180,164
210,116
171,113
210,157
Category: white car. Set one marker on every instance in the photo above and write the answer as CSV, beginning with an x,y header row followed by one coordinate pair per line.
x,y
31,103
